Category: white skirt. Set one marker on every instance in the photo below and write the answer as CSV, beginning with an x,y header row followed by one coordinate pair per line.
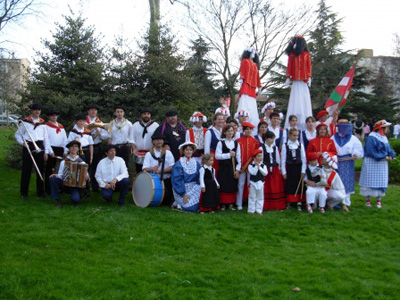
x,y
249,104
299,104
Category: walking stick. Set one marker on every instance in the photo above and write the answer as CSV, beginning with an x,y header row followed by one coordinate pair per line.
x,y
300,181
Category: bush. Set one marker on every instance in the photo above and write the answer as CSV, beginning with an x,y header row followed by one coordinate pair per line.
x,y
394,170
395,143
13,154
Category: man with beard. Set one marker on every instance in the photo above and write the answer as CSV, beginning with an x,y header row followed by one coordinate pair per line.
x,y
174,133
142,132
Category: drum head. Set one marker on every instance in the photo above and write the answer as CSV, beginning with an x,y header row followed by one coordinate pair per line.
x,y
143,189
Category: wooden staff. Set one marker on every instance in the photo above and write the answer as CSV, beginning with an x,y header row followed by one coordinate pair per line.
x,y
300,181
347,158
233,167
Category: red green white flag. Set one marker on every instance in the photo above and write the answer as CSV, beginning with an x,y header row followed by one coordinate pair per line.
x,y
338,98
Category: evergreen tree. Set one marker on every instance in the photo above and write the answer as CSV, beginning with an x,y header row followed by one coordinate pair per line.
x,y
70,73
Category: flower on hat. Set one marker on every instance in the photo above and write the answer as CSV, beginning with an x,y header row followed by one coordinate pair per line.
x,y
196,115
223,110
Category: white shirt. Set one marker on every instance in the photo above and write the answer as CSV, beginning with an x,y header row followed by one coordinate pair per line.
x,y
207,142
62,164
285,135
353,146
108,169
149,161
121,135
56,139
38,134
143,143
276,131
309,135
253,169
85,140
199,138
230,145
321,173
270,152
293,146
336,183
103,133
203,171
396,130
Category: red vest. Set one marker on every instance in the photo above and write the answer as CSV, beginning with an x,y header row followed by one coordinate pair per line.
x,y
247,146
299,67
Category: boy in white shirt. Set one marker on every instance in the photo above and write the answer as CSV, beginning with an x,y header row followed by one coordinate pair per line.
x,y
315,180
257,171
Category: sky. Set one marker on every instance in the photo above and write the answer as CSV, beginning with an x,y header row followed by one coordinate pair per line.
x,y
366,24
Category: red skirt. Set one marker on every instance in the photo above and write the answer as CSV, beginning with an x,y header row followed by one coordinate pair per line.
x,y
274,191
227,198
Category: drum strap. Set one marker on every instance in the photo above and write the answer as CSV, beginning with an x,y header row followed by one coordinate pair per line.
x,y
161,160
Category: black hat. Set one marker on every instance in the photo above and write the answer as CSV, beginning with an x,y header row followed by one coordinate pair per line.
x,y
92,105
80,117
108,147
73,142
145,110
171,113
35,106
52,111
119,107
157,136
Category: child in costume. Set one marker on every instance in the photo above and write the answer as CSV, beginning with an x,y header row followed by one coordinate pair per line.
x,y
315,180
229,159
274,188
310,132
209,185
267,110
374,177
292,124
276,129
261,129
257,171
293,169
197,134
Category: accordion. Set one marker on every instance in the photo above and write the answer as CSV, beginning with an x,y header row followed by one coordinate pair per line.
x,y
74,174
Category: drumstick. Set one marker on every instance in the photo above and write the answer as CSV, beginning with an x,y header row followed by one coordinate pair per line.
x,y
233,166
347,158
302,188
295,194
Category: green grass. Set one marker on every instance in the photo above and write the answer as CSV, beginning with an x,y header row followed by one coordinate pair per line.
x,y
100,251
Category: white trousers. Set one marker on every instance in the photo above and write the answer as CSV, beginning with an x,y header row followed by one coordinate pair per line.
x,y
249,104
314,194
335,197
347,200
256,200
241,182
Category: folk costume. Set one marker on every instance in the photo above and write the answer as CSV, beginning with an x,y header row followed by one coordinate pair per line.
x,y
98,135
278,135
84,136
57,140
317,193
299,74
335,189
248,145
110,169
196,135
211,139
185,181
257,178
274,186
347,145
250,81
246,115
294,164
227,166
307,136
56,182
208,180
141,137
374,177
329,122
320,145
266,117
163,159
174,136
38,132
121,137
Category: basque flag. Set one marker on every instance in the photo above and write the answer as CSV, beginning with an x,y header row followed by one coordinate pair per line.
x,y
338,98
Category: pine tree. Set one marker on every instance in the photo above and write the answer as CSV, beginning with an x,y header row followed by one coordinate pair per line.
x,y
69,75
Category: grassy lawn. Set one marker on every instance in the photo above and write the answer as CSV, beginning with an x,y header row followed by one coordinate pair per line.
x,y
101,251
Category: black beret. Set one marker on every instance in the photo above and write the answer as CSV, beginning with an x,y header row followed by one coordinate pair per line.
x,y
157,136
73,142
119,107
108,147
145,110
35,106
80,117
51,112
92,105
171,113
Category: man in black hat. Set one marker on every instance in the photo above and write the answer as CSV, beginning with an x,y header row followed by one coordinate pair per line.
x,y
57,139
160,161
56,180
120,131
98,135
112,175
32,128
142,132
173,131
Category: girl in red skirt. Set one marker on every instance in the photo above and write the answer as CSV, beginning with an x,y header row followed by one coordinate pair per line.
x,y
274,195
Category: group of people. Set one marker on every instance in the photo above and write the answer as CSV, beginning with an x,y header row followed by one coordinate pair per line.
x,y
214,168
308,164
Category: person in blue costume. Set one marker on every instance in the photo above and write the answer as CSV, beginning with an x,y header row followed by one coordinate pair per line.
x,y
374,177
186,179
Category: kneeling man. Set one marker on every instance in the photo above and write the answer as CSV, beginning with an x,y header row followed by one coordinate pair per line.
x,y
112,175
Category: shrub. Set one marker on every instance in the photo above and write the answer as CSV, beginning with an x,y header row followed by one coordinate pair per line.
x,y
394,170
395,143
13,154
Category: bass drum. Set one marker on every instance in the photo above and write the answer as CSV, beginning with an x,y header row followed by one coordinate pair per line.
x,y
148,190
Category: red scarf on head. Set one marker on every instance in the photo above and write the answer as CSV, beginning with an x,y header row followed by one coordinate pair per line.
x,y
58,128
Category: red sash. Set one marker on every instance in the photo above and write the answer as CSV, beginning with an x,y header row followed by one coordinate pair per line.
x,y
58,128
330,179
191,134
